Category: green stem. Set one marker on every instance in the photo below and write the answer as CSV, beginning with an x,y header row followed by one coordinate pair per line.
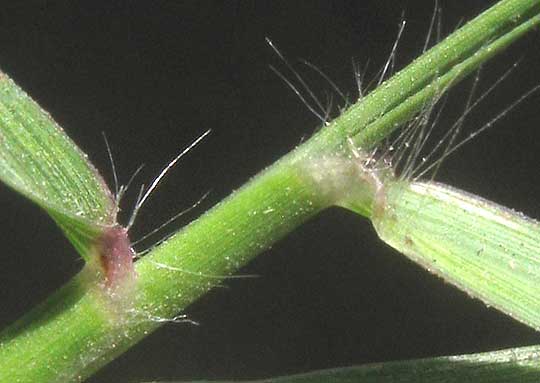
x,y
78,330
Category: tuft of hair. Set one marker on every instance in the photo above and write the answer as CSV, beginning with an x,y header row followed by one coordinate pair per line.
x,y
422,145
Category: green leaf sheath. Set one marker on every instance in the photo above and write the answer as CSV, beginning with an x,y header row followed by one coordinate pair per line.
x,y
406,93
487,250
40,161
427,96
506,366
80,328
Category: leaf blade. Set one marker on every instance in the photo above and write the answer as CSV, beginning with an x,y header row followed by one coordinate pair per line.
x,y
503,366
485,249
38,160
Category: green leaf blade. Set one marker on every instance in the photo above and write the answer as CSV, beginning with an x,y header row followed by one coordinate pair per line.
x,y
40,161
512,365
489,251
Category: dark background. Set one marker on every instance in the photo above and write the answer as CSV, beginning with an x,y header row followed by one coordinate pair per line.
x,y
154,75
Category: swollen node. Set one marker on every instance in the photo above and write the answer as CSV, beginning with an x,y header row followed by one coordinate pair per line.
x,y
116,256
354,181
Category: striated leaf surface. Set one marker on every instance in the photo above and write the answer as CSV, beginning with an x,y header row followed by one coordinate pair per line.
x,y
40,161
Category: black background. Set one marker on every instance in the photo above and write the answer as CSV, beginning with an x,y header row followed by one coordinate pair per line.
x,y
154,75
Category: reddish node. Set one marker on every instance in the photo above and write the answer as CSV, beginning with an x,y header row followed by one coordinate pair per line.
x,y
116,256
